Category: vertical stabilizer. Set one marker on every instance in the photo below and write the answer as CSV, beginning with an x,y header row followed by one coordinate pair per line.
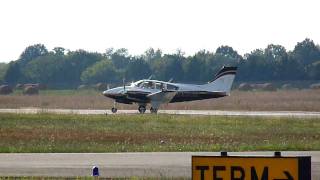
x,y
222,81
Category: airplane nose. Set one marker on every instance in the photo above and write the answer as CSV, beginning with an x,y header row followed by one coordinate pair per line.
x,y
107,92
110,92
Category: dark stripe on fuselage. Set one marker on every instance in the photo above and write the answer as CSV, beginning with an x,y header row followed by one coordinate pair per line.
x,y
193,95
179,97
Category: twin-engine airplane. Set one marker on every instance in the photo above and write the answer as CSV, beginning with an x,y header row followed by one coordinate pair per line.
x,y
158,92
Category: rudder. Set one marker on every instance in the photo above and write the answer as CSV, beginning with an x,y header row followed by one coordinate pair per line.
x,y
222,81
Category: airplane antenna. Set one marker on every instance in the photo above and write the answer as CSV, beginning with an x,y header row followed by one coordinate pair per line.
x,y
150,76
170,80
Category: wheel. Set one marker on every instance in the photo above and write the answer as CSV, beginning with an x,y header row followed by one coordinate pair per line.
x,y
114,110
153,110
142,109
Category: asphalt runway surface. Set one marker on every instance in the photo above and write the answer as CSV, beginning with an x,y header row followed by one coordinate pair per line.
x,y
302,114
153,164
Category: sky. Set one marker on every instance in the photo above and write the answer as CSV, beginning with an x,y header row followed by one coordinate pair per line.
x,y
189,25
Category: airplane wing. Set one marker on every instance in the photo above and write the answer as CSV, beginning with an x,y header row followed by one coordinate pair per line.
x,y
161,97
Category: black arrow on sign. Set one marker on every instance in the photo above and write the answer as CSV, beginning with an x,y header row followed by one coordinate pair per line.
x,y
289,177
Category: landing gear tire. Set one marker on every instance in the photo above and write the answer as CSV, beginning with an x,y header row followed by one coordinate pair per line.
x,y
114,110
142,109
153,110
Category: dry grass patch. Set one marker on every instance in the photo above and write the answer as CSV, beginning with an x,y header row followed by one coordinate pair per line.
x,y
290,100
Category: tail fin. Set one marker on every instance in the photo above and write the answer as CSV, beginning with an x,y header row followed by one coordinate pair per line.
x,y
222,81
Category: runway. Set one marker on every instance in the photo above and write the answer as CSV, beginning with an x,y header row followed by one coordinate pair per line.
x,y
299,114
154,164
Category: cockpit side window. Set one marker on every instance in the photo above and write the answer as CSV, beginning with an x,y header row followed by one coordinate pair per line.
x,y
151,85
145,85
159,85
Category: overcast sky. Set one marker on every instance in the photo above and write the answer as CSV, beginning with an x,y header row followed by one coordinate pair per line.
x,y
95,25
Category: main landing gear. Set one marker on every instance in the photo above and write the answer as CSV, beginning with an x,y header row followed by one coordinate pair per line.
x,y
114,110
153,110
142,109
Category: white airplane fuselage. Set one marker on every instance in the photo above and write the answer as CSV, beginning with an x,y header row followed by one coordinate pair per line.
x,y
158,92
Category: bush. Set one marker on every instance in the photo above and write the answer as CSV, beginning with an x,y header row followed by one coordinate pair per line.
x,y
264,87
268,87
19,86
245,87
315,86
5,89
31,90
287,86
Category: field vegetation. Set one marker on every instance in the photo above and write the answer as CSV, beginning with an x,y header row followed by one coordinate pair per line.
x,y
21,133
281,100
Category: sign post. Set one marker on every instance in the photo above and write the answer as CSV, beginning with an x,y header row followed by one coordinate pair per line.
x,y
251,168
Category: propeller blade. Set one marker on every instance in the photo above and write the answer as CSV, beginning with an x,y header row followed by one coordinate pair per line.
x,y
124,84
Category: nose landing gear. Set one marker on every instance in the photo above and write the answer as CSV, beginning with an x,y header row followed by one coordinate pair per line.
x,y
114,108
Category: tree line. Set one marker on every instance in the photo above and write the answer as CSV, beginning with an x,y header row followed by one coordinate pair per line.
x,y
37,64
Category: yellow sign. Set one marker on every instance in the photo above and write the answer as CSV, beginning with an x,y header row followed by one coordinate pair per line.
x,y
250,168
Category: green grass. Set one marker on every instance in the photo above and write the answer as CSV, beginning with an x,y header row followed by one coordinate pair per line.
x,y
148,133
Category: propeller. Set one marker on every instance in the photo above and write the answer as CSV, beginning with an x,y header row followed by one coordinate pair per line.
x,y
124,84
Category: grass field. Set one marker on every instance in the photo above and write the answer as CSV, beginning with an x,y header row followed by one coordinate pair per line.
x,y
146,133
291,100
